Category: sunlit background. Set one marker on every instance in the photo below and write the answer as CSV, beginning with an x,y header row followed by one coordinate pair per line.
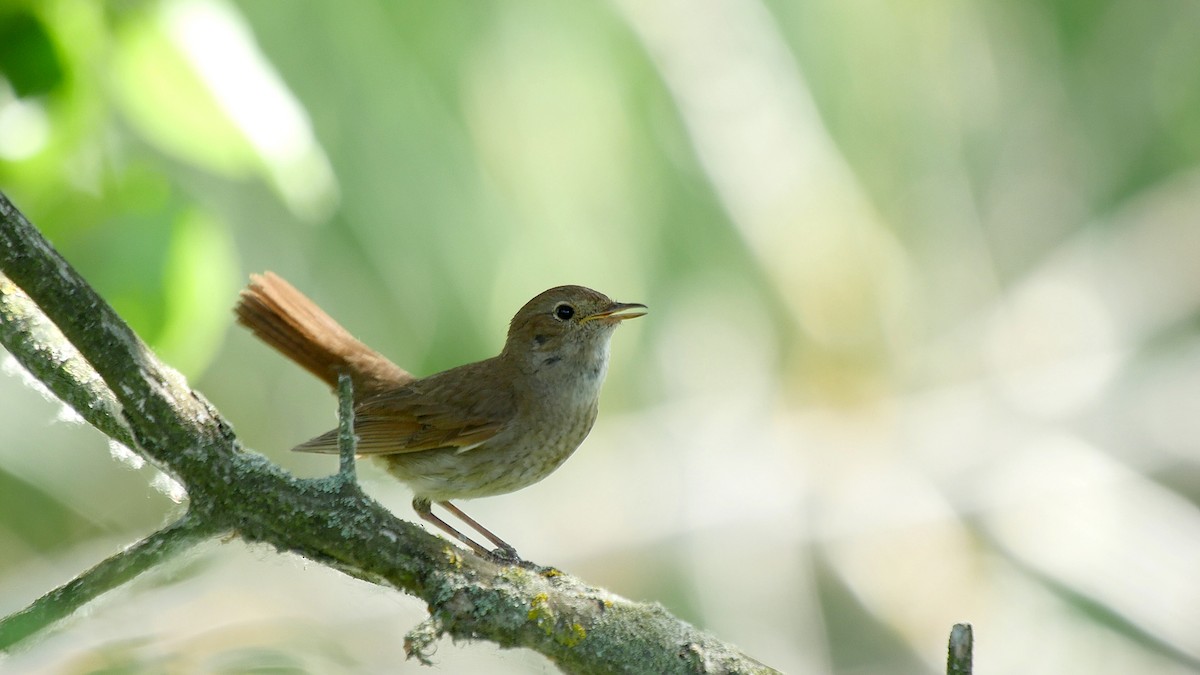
x,y
924,278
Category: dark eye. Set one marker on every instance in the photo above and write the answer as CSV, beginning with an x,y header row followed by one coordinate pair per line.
x,y
564,312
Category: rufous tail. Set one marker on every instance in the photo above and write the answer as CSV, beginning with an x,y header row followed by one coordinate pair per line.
x,y
296,327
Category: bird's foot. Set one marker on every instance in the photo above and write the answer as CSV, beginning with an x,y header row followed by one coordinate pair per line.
x,y
505,555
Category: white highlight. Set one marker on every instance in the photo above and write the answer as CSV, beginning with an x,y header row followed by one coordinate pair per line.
x,y
124,455
24,127
169,487
778,173
215,40
1053,346
13,368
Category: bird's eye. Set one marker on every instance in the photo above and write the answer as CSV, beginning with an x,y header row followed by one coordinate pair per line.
x,y
564,312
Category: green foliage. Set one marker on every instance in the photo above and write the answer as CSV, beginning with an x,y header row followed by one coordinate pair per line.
x,y
28,58
868,233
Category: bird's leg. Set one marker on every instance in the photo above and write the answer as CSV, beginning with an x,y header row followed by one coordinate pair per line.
x,y
422,507
503,551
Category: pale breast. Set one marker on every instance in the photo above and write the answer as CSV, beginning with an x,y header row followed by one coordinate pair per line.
x,y
504,464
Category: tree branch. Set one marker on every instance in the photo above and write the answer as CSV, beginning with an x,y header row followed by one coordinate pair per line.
x,y
120,568
37,344
166,417
330,520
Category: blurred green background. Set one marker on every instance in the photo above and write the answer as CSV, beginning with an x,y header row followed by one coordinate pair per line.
x,y
925,333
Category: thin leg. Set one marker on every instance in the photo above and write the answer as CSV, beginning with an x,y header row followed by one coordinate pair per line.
x,y
421,506
507,550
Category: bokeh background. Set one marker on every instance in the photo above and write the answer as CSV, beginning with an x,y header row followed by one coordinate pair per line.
x,y
924,280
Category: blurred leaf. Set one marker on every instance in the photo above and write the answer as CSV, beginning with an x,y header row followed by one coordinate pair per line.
x,y
167,267
125,258
43,522
859,638
169,105
28,59
199,282
262,660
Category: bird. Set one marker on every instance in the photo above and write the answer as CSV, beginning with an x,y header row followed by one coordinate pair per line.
x,y
482,429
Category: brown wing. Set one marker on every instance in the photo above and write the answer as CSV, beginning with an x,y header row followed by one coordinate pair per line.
x,y
435,412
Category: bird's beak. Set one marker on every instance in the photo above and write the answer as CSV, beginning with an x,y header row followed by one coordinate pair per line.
x,y
617,312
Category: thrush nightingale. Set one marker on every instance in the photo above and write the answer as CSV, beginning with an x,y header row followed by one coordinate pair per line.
x,y
482,429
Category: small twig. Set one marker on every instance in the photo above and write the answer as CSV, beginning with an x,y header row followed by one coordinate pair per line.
x,y
116,570
960,653
347,442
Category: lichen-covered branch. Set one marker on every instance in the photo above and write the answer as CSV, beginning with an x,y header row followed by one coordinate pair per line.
x,y
113,572
166,417
331,521
37,344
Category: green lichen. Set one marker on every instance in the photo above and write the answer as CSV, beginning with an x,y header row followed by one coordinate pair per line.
x,y
541,614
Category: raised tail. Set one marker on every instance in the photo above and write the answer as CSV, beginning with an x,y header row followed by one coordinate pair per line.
x,y
296,327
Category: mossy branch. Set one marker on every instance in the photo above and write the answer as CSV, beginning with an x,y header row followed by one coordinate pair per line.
x,y
37,344
95,363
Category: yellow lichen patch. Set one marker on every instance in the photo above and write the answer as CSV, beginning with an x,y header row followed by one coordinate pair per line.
x,y
541,614
538,609
454,557
514,574
577,635
550,573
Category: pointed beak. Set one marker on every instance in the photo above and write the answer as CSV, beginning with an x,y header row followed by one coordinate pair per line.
x,y
617,312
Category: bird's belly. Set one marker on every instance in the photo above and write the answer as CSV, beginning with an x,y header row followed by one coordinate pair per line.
x,y
502,464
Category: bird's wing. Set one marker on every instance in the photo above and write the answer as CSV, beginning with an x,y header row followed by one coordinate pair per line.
x,y
436,412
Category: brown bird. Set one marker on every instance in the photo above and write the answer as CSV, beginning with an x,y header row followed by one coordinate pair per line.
x,y
481,429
